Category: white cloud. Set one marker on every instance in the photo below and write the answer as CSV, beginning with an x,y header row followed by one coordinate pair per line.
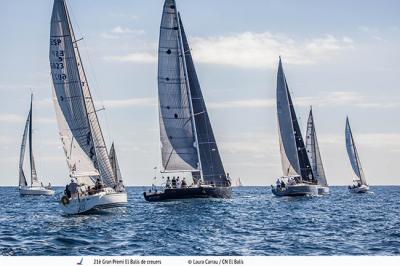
x,y
133,102
119,32
335,98
260,50
143,57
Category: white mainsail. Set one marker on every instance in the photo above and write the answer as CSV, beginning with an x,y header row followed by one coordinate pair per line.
x,y
353,154
313,151
293,152
177,133
80,131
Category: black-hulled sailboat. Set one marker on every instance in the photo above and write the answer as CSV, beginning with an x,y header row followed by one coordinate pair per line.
x,y
359,183
94,184
298,178
314,155
36,187
189,149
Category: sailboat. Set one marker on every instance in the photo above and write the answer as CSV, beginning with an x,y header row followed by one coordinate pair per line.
x,y
94,184
314,155
359,183
36,187
239,183
298,178
188,147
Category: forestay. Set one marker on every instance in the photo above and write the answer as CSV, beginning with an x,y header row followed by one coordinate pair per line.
x,y
179,151
80,131
313,152
353,154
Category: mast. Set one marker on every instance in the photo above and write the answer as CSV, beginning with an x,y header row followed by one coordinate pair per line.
x,y
189,94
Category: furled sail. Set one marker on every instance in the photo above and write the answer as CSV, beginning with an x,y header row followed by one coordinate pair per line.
x,y
74,104
293,152
177,133
313,152
114,164
353,154
211,163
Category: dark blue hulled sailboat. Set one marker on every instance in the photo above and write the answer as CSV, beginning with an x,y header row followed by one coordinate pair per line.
x,y
189,148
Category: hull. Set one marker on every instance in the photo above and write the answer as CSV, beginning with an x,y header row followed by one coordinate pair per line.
x,y
362,189
35,191
295,190
323,190
188,193
96,202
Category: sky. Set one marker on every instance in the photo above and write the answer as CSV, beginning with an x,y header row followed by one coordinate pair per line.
x,y
341,57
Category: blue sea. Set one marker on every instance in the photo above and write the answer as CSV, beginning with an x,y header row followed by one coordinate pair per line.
x,y
253,222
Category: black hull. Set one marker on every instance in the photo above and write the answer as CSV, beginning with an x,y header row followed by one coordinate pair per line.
x,y
189,193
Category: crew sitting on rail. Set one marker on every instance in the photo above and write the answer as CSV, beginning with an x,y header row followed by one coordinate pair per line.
x,y
168,183
173,182
98,185
73,188
178,182
183,184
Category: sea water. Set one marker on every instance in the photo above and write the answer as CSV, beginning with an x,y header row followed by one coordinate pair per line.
x,y
253,222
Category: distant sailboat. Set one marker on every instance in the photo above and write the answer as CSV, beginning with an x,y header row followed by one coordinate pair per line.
x,y
239,184
360,184
188,142
315,156
84,146
36,187
298,178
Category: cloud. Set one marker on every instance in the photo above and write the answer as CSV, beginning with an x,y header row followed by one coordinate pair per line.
x,y
120,32
260,50
143,57
133,102
335,98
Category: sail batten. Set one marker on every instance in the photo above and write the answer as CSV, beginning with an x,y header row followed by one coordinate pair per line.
x,y
293,151
76,115
313,152
353,154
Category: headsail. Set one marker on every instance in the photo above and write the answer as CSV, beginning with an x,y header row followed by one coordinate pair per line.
x,y
34,178
177,131
73,102
22,179
211,163
293,152
353,154
114,164
313,152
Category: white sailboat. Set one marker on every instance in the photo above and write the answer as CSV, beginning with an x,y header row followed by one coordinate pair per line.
x,y
314,155
96,184
359,183
188,143
36,187
298,178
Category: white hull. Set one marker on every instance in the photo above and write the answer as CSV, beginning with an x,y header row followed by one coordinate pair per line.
x,y
323,190
296,190
98,201
35,191
362,189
